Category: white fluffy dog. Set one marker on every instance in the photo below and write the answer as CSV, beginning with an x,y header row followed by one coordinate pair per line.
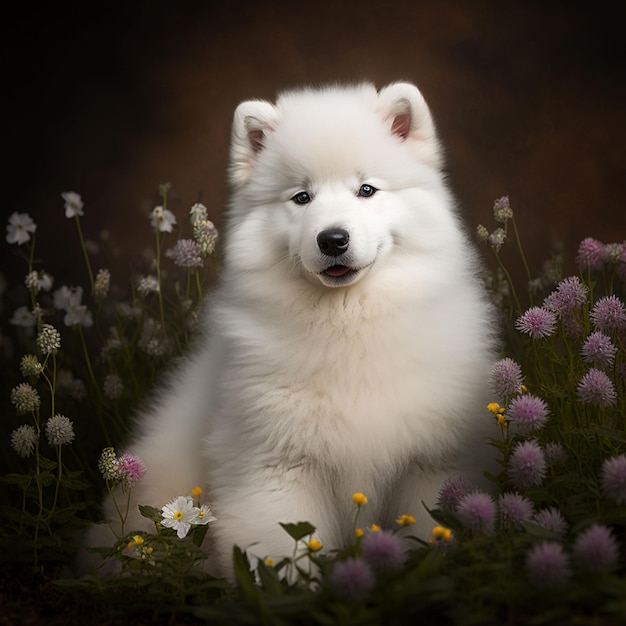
x,y
349,343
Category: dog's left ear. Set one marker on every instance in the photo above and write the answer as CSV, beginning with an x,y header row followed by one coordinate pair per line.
x,y
252,123
403,107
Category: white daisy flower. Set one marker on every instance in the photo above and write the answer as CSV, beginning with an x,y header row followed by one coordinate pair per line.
x,y
179,514
73,204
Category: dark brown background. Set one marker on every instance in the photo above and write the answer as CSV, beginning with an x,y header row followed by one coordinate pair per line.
x,y
111,99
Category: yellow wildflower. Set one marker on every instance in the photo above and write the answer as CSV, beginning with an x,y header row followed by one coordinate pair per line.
x,y
405,520
315,545
493,407
359,498
269,562
374,528
359,532
139,541
441,533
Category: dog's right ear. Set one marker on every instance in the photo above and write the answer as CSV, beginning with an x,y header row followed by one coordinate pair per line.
x,y
252,123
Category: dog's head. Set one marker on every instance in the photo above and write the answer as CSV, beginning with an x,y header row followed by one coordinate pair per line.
x,y
333,181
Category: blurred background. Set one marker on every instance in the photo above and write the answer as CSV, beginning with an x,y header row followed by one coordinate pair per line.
x,y
110,99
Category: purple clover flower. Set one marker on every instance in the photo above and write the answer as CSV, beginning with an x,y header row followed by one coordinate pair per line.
x,y
527,465
608,314
547,564
452,490
502,211
595,549
383,549
552,520
571,326
477,511
352,577
620,269
129,469
590,254
537,322
515,509
186,253
595,387
569,295
613,479
527,413
555,453
506,378
613,252
598,349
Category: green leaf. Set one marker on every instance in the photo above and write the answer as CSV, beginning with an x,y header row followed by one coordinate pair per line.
x,y
610,433
155,515
16,479
299,531
198,533
47,478
15,515
243,573
269,579
47,464
73,480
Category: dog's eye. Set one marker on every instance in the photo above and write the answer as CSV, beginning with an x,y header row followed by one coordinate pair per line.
x,y
302,197
365,191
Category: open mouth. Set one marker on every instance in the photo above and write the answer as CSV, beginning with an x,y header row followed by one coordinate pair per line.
x,y
338,275
337,271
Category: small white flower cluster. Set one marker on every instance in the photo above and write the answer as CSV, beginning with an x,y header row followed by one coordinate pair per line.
x,y
71,386
101,284
19,228
73,204
147,285
113,387
59,431
204,231
181,514
23,317
49,339
162,219
38,281
69,299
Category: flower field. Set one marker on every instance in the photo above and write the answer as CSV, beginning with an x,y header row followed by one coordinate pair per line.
x,y
545,545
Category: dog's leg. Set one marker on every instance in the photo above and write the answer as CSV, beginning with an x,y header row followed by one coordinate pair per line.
x,y
255,507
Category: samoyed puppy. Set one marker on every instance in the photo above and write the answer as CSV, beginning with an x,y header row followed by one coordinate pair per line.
x,y
348,345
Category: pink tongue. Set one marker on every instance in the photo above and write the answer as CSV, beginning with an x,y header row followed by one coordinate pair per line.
x,y
337,270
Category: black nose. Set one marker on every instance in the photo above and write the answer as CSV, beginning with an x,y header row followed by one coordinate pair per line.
x,y
333,241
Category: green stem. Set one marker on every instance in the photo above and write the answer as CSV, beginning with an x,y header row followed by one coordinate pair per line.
x,y
39,491
31,259
82,244
509,280
58,482
87,357
160,291
199,285
521,250
122,516
96,388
